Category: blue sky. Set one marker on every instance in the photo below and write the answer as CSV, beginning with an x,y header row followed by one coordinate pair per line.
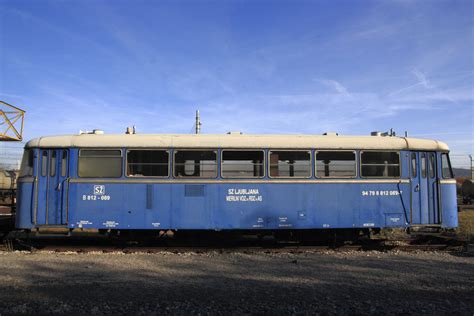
x,y
252,66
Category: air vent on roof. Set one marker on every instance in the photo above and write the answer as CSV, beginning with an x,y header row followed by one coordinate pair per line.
x,y
389,133
95,132
131,130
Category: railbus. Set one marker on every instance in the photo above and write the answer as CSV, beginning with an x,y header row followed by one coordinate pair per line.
x,y
112,183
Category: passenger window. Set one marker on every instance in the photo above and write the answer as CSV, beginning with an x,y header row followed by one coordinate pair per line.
x,y
423,166
446,166
44,163
335,164
242,164
95,163
195,163
64,164
27,161
380,164
413,165
147,163
432,166
290,164
52,166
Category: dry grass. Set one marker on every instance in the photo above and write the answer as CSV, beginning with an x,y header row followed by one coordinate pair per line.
x,y
466,224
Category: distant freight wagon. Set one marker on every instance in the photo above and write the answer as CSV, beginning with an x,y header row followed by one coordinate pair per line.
x,y
7,198
234,182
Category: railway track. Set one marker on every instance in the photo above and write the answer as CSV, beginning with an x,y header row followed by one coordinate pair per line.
x,y
59,246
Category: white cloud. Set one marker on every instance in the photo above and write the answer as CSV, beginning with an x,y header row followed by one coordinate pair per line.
x,y
336,85
422,80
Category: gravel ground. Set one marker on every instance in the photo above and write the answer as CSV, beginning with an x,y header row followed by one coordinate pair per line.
x,y
237,283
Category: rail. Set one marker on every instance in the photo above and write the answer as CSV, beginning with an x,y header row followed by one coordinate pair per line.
x,y
104,245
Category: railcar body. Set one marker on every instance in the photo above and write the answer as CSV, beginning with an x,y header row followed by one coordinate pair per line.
x,y
234,182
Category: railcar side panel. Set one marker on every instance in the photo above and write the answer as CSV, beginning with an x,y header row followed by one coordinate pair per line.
x,y
449,212
237,206
120,206
192,206
25,203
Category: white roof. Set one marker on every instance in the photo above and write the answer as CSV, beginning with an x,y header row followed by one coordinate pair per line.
x,y
236,141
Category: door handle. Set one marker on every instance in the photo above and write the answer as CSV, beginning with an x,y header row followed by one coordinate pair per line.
x,y
417,187
58,187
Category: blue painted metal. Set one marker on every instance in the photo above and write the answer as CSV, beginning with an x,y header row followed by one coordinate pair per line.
x,y
125,203
432,179
239,206
42,187
52,187
425,208
24,205
449,212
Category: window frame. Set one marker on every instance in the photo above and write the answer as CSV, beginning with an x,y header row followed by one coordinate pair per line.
x,y
291,150
44,163
237,149
413,171
379,151
329,150
53,163
28,153
424,165
102,149
449,166
64,163
147,149
432,165
175,150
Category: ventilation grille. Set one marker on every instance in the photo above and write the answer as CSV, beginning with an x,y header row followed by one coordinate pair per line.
x,y
193,190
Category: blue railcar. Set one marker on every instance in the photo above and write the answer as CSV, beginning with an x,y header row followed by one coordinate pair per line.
x,y
234,182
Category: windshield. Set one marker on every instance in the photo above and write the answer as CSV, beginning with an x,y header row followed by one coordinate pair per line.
x,y
26,169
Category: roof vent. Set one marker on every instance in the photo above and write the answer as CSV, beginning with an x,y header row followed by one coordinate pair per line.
x,y
95,132
234,133
331,134
389,133
131,130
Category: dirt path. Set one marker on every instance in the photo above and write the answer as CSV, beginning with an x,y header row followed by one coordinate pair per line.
x,y
327,283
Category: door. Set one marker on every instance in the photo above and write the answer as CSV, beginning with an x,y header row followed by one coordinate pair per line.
x,y
52,187
424,184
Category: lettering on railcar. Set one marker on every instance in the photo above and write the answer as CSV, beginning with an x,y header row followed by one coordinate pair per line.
x,y
243,195
260,223
283,222
110,224
381,192
98,194
81,223
99,189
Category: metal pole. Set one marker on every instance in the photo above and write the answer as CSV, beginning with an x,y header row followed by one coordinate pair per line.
x,y
472,171
198,122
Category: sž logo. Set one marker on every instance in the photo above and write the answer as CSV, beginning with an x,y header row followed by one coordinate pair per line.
x,y
99,189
